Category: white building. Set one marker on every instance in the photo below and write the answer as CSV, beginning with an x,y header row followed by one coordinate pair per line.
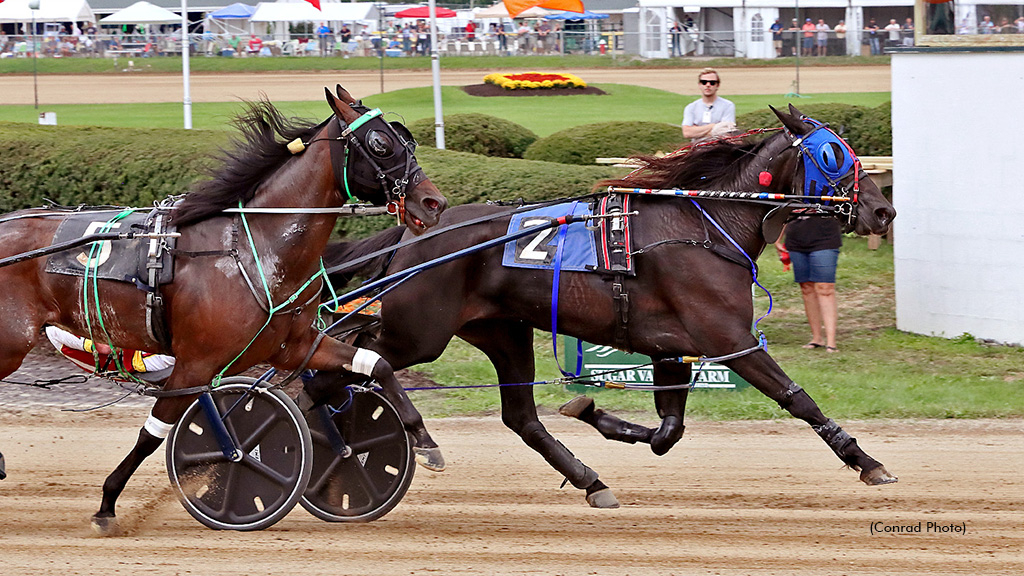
x,y
741,28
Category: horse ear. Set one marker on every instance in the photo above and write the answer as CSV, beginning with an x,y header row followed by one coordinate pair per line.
x,y
342,109
344,95
794,112
791,122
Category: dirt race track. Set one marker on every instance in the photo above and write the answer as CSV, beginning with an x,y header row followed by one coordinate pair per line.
x,y
284,86
741,498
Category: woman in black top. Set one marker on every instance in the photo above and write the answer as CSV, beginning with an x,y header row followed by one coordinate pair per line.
x,y
812,243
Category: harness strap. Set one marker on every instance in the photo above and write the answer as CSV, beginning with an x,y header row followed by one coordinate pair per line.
x,y
621,299
554,306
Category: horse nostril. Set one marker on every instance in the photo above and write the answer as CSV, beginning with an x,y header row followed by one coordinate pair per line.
x,y
433,205
885,214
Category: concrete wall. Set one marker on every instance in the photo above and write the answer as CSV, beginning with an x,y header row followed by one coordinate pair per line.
x,y
958,181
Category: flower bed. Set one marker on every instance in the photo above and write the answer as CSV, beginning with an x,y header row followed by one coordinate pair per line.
x,y
534,81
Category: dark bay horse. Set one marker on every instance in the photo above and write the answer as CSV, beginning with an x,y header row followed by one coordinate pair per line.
x,y
690,296
228,265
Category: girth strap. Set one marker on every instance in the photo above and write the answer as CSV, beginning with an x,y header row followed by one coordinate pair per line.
x,y
620,297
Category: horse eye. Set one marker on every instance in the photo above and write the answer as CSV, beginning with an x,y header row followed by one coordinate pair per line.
x,y
379,144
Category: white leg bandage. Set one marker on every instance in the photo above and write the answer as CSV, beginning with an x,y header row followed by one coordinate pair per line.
x,y
156,428
364,361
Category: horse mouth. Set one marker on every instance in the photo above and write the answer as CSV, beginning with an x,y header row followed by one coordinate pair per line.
x,y
422,215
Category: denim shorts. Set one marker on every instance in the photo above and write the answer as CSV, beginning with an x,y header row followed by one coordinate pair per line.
x,y
817,266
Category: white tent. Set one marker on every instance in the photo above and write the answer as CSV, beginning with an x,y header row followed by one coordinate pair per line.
x,y
305,12
49,11
142,13
287,12
499,11
348,11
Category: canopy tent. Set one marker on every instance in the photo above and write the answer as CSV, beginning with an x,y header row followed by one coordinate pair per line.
x,y
236,11
517,7
424,12
348,11
142,13
233,19
586,15
287,12
49,11
499,11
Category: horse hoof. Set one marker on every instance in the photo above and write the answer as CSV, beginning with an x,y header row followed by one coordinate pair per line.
x,y
429,458
603,499
106,526
877,477
577,406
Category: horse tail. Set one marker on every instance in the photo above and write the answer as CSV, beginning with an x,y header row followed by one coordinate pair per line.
x,y
338,254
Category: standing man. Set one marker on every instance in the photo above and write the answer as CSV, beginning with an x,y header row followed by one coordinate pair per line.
x,y
323,33
809,30
776,29
822,38
677,38
874,41
710,116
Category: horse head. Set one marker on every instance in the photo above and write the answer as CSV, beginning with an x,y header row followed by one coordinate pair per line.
x,y
825,165
376,162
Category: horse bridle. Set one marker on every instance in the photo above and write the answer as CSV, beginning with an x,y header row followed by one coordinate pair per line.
x,y
363,136
823,146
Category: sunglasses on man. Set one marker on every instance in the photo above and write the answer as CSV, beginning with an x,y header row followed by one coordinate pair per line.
x,y
709,82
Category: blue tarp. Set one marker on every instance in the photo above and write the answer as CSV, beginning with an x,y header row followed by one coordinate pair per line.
x,y
237,10
586,15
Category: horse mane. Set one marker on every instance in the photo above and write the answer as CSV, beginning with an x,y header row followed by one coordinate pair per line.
x,y
254,155
719,165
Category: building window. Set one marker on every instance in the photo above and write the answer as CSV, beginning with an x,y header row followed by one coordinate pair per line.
x,y
757,28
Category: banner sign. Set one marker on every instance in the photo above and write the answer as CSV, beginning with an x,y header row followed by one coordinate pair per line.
x,y
636,368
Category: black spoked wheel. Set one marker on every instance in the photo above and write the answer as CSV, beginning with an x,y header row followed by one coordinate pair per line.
x,y
362,459
276,457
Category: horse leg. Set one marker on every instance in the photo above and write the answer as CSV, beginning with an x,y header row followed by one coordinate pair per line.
x,y
334,360
17,340
670,404
764,374
509,346
165,412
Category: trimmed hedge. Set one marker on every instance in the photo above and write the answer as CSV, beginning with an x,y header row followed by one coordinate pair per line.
x,y
582,144
91,165
868,130
133,167
478,134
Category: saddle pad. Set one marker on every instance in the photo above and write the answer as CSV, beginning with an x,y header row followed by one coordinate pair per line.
x,y
538,250
122,260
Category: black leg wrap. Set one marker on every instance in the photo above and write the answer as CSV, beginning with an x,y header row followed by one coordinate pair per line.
x,y
670,431
792,389
836,438
614,428
3,468
558,456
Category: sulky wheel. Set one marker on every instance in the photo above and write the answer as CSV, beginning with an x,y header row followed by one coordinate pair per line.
x,y
273,464
362,459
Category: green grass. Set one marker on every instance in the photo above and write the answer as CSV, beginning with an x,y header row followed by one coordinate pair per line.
x,y
543,115
204,64
879,373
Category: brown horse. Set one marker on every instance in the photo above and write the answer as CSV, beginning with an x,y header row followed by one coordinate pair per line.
x,y
690,296
218,300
